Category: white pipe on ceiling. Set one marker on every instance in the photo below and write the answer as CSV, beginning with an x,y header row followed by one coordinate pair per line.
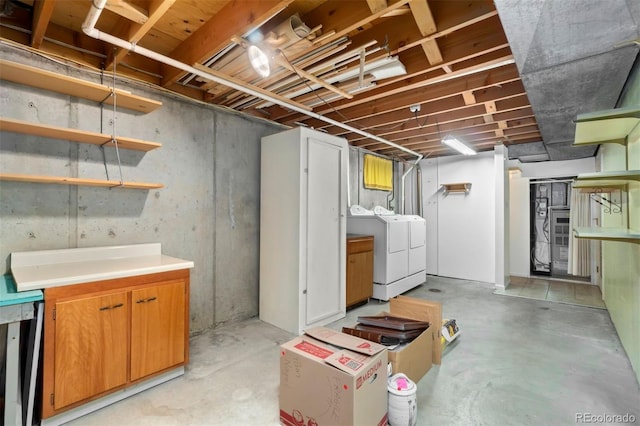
x,y
88,27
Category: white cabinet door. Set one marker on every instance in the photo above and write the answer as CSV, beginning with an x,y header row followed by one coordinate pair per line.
x,y
324,292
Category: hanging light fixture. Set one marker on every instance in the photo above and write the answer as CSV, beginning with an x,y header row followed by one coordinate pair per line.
x,y
259,61
454,143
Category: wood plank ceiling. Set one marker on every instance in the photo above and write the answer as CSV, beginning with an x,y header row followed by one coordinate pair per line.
x,y
408,71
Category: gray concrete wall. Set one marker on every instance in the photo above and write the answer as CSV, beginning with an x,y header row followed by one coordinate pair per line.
x,y
207,212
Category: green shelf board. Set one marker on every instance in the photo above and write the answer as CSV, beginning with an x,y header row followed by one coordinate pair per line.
x,y
625,175
608,234
627,112
613,130
600,185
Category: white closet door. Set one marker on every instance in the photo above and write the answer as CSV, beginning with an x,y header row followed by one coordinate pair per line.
x,y
324,188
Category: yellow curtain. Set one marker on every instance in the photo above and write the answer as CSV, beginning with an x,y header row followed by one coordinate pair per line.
x,y
378,173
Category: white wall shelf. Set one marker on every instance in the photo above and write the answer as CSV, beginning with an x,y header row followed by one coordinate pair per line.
x,y
622,175
608,234
600,186
608,126
607,114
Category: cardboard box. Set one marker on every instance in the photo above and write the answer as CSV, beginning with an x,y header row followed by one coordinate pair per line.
x,y
416,358
328,378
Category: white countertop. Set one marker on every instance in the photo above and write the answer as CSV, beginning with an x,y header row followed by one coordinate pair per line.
x,y
52,268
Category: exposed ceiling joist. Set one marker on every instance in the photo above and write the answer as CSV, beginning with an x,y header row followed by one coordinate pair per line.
x,y
452,58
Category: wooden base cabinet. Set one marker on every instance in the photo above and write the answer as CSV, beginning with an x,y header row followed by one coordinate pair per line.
x,y
359,268
103,336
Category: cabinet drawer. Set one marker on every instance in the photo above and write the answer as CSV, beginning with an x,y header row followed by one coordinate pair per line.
x,y
359,244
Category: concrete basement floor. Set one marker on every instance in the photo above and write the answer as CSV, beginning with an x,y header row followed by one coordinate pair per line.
x,y
517,361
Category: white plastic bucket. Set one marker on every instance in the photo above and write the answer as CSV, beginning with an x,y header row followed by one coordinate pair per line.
x,y
403,407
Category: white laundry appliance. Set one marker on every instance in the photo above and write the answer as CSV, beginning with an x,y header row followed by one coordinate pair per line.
x,y
399,253
417,244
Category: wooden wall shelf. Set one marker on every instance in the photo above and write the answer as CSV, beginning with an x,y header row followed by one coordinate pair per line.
x,y
47,80
463,187
73,135
78,181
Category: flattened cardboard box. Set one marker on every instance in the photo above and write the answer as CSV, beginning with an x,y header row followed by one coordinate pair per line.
x,y
328,378
416,358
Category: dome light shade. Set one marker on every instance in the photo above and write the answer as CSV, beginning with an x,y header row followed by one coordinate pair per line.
x,y
259,60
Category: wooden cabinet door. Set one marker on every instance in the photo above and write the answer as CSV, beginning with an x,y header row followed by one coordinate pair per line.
x,y
90,347
359,277
157,328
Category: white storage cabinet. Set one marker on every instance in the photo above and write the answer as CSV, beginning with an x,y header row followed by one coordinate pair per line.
x,y
303,203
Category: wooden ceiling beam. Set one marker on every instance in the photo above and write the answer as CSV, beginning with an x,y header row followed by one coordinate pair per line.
x,y
451,122
479,142
432,135
135,31
515,113
71,45
432,37
434,113
463,128
422,95
250,86
128,10
460,50
469,98
346,17
235,18
521,129
427,26
42,11
377,5
372,100
402,119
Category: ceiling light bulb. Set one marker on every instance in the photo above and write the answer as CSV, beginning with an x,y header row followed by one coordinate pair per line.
x,y
457,145
259,61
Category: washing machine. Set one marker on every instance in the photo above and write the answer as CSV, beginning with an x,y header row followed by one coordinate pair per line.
x,y
399,253
417,244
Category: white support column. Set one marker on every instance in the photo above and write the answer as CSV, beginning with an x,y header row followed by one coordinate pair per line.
x,y
502,217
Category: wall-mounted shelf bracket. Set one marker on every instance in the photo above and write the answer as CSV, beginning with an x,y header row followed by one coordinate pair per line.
x,y
463,187
609,206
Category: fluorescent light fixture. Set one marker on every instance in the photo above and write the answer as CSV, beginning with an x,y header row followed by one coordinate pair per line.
x,y
393,68
259,60
454,143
